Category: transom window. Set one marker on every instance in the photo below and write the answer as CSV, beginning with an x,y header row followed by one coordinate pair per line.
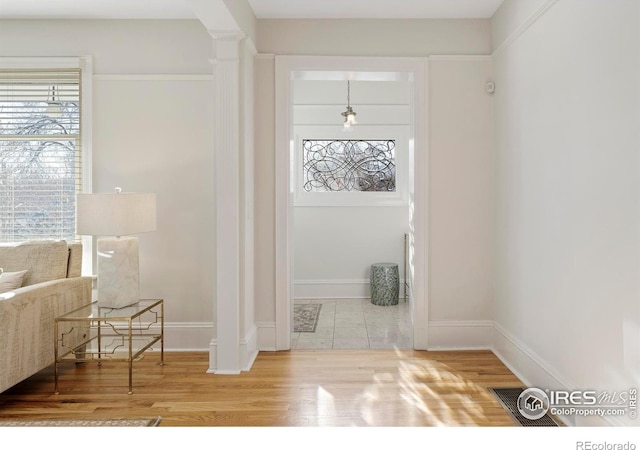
x,y
349,165
40,153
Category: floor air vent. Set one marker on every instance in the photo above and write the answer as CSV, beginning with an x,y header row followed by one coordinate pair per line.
x,y
508,398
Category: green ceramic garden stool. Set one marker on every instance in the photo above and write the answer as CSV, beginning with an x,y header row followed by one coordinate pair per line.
x,y
385,284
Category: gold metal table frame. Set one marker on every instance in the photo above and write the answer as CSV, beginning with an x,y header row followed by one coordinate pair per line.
x,y
93,332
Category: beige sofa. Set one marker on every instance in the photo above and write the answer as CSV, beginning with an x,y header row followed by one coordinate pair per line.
x,y
51,286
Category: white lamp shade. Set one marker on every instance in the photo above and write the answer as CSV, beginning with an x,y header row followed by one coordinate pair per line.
x,y
116,214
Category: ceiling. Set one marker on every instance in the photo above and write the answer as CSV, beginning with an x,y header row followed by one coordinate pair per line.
x,y
378,9
95,9
179,9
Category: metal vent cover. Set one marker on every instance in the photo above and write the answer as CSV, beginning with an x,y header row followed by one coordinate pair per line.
x,y
508,398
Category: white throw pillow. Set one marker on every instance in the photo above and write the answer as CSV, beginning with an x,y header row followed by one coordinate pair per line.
x,y
11,280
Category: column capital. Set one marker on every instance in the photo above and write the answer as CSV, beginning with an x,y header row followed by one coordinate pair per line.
x,y
226,45
227,35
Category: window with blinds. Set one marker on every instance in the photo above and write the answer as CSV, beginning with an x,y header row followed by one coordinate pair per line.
x,y
40,153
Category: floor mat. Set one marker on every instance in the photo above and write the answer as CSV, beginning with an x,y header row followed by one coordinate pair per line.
x,y
305,317
142,422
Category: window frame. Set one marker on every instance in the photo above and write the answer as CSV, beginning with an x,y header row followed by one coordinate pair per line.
x,y
85,64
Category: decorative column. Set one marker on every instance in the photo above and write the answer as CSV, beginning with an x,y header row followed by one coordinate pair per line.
x,y
225,349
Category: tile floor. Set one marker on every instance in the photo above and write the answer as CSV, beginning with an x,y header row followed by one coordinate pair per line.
x,y
357,324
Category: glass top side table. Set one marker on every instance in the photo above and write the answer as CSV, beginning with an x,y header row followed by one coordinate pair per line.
x,y
92,332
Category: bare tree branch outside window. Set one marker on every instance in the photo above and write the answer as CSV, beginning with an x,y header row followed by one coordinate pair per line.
x,y
39,169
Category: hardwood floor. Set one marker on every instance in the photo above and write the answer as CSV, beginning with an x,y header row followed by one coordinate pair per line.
x,y
382,388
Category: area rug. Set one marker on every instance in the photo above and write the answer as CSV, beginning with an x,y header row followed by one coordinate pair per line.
x,y
305,317
142,422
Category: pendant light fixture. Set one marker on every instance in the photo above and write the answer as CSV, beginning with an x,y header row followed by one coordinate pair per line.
x,y
54,108
349,114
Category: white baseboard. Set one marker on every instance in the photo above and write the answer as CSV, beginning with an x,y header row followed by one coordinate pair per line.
x,y
248,353
443,335
534,371
524,362
213,355
249,349
316,289
328,289
187,336
460,334
530,368
266,336
197,337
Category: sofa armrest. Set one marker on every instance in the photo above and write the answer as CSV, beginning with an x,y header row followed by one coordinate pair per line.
x,y
27,323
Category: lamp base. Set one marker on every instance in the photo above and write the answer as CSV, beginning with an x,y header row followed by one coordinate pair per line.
x,y
118,272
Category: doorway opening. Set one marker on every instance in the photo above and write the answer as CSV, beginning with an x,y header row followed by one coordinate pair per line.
x,y
327,237
350,209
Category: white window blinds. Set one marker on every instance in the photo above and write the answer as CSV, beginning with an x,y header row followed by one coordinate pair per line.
x,y
40,153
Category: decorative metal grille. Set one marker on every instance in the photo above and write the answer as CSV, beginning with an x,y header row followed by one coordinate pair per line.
x,y
349,165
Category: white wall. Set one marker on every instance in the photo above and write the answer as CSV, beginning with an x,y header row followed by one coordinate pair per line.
x,y
460,177
460,190
460,305
117,46
334,248
152,125
512,16
334,244
374,37
567,183
157,75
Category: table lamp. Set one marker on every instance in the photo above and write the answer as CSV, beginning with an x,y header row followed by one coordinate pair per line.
x,y
113,217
